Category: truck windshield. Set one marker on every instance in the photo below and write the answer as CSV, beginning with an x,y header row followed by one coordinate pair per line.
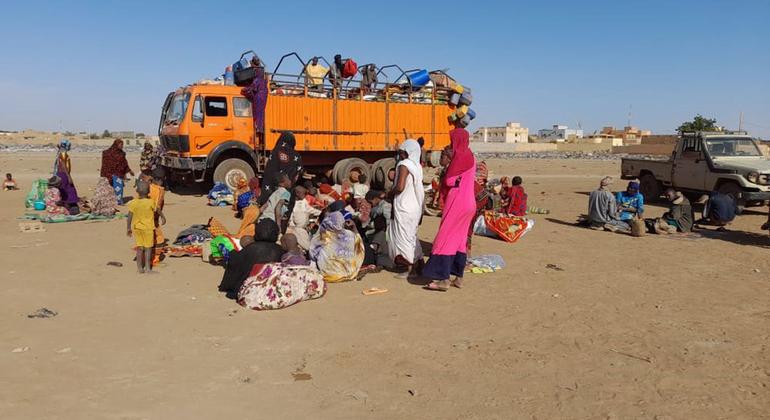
x,y
177,108
732,147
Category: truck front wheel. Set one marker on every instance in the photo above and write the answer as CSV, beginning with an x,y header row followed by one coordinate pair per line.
x,y
734,190
650,188
230,170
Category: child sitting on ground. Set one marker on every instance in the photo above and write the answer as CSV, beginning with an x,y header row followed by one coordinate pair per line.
x,y
277,205
294,255
358,185
517,205
9,184
141,225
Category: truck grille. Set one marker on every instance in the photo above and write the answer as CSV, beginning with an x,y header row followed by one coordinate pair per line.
x,y
176,143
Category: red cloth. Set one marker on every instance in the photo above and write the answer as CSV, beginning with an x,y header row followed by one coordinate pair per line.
x,y
518,201
114,162
462,157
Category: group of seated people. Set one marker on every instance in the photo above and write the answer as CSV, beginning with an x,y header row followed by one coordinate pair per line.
x,y
339,229
619,212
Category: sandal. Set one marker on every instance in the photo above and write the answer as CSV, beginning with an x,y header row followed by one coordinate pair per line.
x,y
457,282
438,285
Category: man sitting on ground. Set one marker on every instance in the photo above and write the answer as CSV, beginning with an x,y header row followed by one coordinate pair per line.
x,y
678,218
630,202
602,209
718,210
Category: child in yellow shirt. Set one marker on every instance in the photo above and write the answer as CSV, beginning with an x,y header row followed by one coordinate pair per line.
x,y
141,224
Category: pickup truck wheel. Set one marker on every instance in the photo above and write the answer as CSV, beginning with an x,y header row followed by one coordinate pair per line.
x,y
734,190
650,188
230,170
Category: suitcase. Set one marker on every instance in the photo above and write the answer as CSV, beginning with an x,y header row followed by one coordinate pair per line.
x,y
243,72
466,98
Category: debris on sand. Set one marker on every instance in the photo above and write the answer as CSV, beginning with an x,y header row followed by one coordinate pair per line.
x,y
43,313
20,349
554,267
115,264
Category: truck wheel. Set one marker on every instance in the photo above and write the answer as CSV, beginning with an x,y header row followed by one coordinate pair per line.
x,y
343,168
650,188
734,190
230,170
380,173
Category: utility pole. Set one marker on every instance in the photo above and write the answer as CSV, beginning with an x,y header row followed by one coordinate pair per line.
x,y
740,122
630,107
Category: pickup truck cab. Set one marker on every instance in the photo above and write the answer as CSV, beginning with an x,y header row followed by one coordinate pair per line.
x,y
730,163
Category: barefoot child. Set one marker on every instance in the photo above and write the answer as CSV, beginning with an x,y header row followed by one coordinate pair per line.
x,y
141,224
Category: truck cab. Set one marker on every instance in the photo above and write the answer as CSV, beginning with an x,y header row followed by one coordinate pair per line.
x,y
728,162
207,130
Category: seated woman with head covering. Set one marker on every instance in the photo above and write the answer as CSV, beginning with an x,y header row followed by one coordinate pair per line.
x,y
259,249
104,202
338,252
53,203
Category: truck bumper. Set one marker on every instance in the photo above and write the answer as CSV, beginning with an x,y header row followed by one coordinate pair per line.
x,y
756,195
184,164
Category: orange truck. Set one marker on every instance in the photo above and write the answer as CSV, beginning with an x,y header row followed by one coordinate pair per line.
x,y
207,130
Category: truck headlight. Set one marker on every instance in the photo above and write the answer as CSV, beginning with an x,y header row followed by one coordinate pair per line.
x,y
753,177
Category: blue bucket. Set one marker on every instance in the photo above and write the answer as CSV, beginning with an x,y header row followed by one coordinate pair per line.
x,y
419,78
39,205
471,113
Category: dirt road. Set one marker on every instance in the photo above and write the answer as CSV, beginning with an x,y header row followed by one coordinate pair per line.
x,y
628,327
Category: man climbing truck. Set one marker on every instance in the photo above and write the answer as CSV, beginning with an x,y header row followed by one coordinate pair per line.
x,y
208,134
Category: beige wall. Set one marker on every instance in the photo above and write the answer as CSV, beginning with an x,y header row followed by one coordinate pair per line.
x,y
511,147
583,147
645,149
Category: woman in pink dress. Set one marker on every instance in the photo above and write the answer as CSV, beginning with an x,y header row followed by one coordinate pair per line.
x,y
449,252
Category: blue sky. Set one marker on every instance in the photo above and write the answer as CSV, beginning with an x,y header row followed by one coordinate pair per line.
x,y
96,65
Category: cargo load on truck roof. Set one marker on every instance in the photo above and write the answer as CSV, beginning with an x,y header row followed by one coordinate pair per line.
x,y
341,123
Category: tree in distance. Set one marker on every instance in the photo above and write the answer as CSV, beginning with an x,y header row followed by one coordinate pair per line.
x,y
700,123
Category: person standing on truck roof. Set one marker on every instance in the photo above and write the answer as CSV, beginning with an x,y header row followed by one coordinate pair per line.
x,y
602,208
257,94
115,167
315,74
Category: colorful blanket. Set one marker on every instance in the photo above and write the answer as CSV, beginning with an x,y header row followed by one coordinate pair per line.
x,y
61,218
498,225
276,286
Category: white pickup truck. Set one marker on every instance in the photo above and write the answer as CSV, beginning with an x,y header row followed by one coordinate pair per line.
x,y
730,163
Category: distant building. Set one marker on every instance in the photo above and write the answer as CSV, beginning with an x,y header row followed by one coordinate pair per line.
x,y
559,133
511,133
630,135
123,135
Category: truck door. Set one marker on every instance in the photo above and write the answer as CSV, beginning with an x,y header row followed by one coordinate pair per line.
x,y
690,167
243,124
211,124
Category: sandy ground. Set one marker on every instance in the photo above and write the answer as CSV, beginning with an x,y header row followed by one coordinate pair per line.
x,y
647,327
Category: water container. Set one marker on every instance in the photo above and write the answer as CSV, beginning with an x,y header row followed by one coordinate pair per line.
x,y
458,88
471,113
39,205
465,121
419,78
461,111
454,99
466,98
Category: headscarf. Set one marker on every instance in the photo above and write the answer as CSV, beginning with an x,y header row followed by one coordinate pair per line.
x,y
605,183
633,185
146,161
412,162
283,159
114,161
62,156
104,202
266,231
254,185
462,157
338,252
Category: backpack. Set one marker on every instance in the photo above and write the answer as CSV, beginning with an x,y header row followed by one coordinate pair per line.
x,y
350,68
